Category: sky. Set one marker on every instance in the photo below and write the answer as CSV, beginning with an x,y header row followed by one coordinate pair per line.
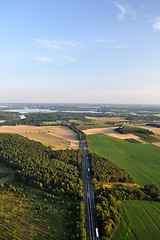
x,y
80,51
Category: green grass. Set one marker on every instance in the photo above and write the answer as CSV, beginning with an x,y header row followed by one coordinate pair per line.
x,y
52,123
141,161
48,140
140,220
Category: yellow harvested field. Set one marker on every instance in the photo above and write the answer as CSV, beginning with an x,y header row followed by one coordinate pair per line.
x,y
155,130
157,144
110,132
105,119
40,134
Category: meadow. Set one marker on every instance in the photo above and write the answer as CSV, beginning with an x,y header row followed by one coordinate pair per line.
x,y
141,161
140,220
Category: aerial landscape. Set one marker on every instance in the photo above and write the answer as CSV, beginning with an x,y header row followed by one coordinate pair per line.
x,y
80,120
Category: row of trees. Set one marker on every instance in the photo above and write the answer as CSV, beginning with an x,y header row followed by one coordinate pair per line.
x,y
134,130
154,124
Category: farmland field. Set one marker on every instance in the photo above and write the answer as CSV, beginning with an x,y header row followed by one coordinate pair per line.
x,y
48,140
57,137
110,131
141,161
140,220
105,119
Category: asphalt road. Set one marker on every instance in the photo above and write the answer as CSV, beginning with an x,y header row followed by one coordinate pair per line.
x,y
91,225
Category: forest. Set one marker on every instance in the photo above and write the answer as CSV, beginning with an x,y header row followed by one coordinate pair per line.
x,y
106,171
56,172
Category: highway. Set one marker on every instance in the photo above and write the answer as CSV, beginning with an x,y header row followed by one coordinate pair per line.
x,y
91,225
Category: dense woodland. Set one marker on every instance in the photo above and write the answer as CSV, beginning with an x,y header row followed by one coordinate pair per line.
x,y
57,172
134,130
154,125
105,171
8,116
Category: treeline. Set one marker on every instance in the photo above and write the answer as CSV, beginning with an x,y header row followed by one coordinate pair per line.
x,y
7,116
144,134
134,130
107,215
154,124
106,171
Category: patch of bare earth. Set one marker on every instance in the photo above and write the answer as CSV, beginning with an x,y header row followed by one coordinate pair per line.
x,y
155,130
60,132
110,132
110,185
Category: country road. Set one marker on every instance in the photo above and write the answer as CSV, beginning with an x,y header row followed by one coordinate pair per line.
x,y
91,225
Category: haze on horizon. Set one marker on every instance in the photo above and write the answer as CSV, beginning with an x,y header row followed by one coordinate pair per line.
x,y
88,51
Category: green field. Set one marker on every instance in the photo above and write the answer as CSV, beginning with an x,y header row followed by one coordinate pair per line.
x,y
55,123
48,140
141,161
140,220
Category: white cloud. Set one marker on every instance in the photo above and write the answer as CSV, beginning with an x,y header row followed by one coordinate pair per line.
x,y
58,60
67,58
156,23
120,46
50,44
59,43
122,11
104,40
44,59
112,43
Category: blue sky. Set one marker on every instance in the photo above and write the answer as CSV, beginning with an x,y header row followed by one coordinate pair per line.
x,y
88,51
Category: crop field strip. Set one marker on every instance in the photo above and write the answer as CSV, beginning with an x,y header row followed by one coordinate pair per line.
x,y
141,161
140,220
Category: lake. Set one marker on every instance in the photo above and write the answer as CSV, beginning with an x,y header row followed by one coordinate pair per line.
x,y
30,110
